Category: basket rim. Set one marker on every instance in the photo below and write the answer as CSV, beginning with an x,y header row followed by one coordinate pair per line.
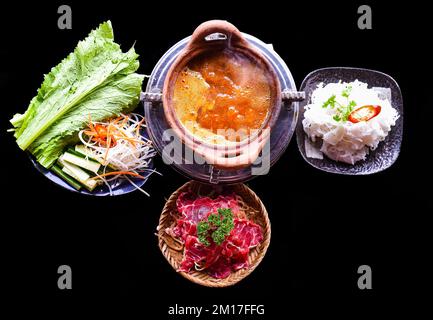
x,y
209,281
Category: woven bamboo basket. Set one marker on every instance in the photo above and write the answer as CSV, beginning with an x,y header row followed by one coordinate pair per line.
x,y
173,250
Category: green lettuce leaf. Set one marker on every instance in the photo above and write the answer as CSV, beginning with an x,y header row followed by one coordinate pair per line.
x,y
96,81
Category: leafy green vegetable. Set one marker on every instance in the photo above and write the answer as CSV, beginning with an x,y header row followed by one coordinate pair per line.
x,y
336,118
348,110
220,225
342,111
202,232
346,92
330,102
95,81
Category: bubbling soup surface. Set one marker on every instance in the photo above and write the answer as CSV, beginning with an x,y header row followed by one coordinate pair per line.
x,y
222,95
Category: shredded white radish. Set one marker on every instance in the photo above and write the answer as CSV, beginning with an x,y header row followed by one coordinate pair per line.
x,y
120,147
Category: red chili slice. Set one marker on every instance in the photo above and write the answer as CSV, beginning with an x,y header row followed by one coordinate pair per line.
x,y
364,113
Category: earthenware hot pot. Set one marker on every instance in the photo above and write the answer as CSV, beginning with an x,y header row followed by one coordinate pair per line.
x,y
209,37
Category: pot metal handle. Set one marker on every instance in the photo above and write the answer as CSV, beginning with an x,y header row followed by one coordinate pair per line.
x,y
150,97
292,95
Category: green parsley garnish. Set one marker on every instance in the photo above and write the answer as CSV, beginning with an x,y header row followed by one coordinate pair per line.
x,y
202,232
330,102
343,111
336,118
346,92
217,227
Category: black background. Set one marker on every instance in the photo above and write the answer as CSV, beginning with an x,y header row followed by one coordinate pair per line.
x,y
323,226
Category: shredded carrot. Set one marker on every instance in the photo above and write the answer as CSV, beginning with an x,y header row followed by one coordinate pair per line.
x,y
108,144
115,173
89,133
137,130
131,140
109,133
115,121
125,120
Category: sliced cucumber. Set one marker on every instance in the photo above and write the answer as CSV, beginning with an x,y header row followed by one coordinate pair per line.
x,y
84,163
78,174
86,152
78,154
71,181
89,184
